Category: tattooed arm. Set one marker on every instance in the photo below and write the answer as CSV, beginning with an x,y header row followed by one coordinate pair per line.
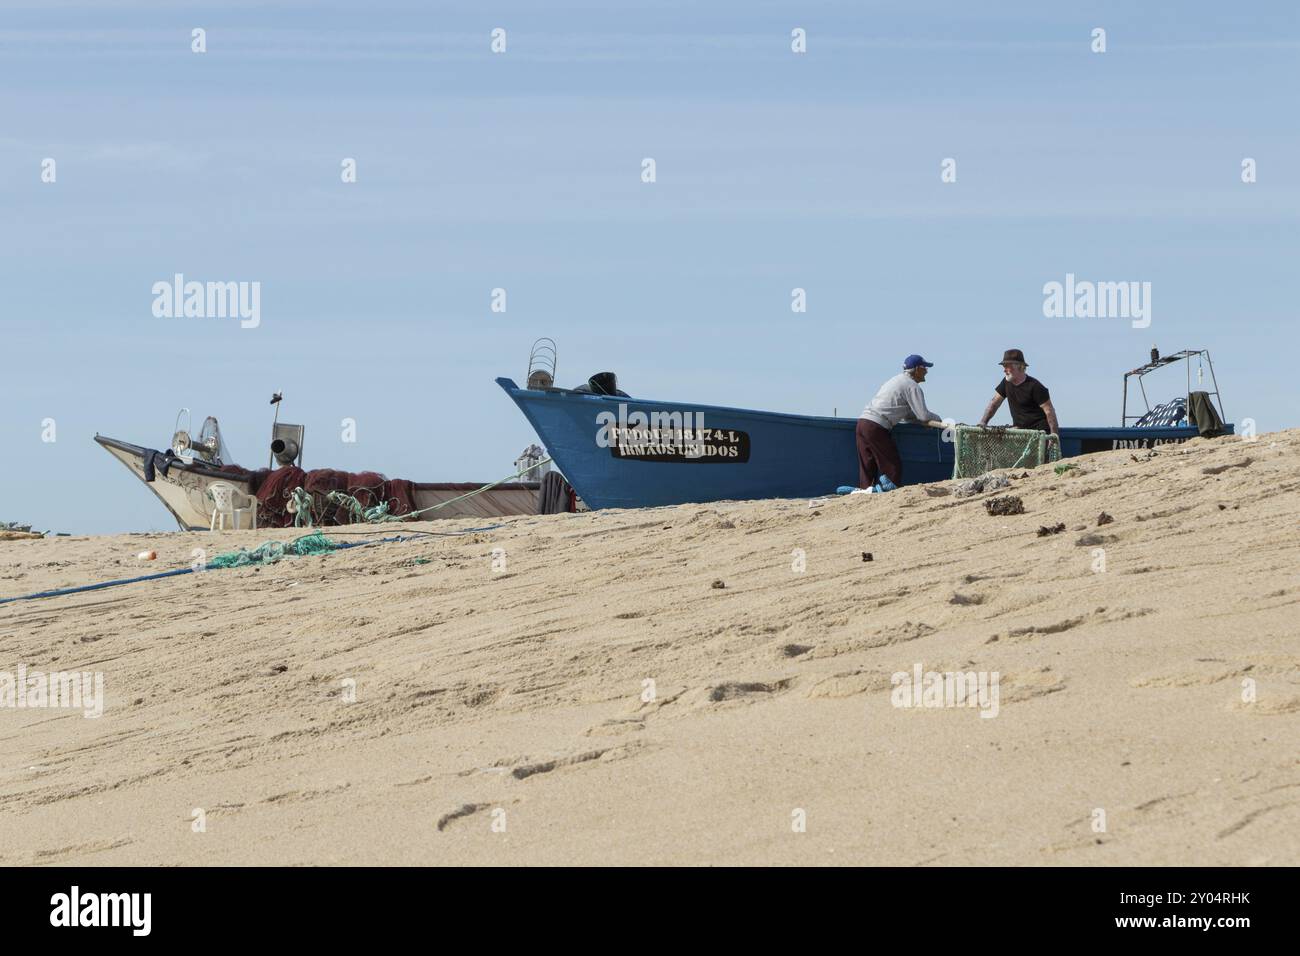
x,y
1050,412
991,409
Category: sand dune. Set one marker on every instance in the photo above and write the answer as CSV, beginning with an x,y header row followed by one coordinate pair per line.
x,y
499,713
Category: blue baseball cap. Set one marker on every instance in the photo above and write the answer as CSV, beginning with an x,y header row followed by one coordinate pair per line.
x,y
912,361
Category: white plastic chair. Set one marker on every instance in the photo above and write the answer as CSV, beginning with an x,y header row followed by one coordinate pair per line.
x,y
229,500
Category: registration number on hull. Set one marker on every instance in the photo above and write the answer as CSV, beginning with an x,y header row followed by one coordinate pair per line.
x,y
682,446
1090,445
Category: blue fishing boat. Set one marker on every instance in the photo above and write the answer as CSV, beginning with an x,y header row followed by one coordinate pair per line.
x,y
623,452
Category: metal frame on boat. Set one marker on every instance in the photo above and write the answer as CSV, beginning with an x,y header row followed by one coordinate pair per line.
x,y
1159,361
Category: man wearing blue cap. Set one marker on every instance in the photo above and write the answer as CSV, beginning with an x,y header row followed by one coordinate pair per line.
x,y
899,400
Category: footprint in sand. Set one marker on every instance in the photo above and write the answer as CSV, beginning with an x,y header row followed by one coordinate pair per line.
x,y
850,684
747,690
525,769
787,651
1018,687
1098,616
616,726
465,810
1196,677
887,637
1266,706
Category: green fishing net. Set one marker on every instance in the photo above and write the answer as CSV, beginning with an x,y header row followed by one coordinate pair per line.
x,y
269,552
979,450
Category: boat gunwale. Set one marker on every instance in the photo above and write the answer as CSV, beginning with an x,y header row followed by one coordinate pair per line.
x,y
207,471
824,421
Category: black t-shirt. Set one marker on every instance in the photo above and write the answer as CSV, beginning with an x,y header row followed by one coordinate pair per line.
x,y
1025,400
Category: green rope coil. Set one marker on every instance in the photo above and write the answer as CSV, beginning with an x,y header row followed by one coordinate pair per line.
x,y
301,506
269,552
359,512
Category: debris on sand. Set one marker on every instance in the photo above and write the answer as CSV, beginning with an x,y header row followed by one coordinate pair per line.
x,y
1091,540
719,584
1005,505
973,486
1220,469
1044,531
1104,518
866,556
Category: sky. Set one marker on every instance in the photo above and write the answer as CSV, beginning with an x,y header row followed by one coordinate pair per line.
x,y
522,170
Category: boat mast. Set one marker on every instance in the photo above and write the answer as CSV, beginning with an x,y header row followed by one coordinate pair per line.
x,y
275,400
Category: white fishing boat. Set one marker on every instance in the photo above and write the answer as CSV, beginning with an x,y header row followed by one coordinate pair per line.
x,y
184,475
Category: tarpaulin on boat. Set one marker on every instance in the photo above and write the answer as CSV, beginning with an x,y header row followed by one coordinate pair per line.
x,y
1205,415
1172,412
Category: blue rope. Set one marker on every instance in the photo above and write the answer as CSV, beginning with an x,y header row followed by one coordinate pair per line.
x,y
171,574
96,587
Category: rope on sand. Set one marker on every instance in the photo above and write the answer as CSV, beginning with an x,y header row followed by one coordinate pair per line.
x,y
259,555
96,587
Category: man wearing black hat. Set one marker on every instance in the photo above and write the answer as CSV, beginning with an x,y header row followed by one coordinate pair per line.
x,y
899,400
1031,404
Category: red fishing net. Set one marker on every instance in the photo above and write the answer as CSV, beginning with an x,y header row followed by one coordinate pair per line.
x,y
274,490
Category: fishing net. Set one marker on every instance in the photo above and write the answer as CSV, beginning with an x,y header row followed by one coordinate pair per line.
x,y
323,496
979,450
269,552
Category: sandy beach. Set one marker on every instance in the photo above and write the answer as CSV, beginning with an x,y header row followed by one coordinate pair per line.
x,y
701,684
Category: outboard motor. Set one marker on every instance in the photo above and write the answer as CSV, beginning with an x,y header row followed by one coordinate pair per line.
x,y
602,383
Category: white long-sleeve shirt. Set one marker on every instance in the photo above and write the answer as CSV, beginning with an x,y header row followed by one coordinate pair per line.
x,y
899,400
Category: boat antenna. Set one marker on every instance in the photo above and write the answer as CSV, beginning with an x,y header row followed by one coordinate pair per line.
x,y
276,397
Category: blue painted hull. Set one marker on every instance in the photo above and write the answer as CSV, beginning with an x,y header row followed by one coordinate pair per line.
x,y
744,454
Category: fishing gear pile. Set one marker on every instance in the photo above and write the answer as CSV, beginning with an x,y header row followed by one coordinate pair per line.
x,y
269,552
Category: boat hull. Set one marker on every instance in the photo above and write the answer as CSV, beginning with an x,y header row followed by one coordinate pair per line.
x,y
745,454
183,490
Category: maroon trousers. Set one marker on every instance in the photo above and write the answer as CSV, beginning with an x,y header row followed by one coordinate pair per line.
x,y
877,453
